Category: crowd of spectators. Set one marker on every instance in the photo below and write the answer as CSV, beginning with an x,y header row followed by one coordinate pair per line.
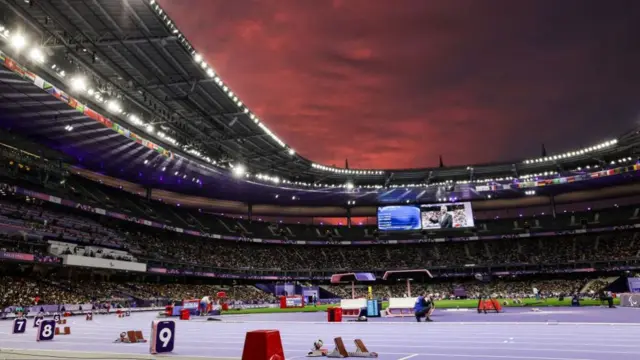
x,y
565,249
32,215
180,249
47,290
25,291
514,289
30,290
169,247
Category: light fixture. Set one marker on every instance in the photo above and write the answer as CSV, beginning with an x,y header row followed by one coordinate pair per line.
x,y
78,83
113,106
36,55
239,170
18,41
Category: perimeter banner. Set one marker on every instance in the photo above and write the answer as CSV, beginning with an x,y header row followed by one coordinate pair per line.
x,y
75,260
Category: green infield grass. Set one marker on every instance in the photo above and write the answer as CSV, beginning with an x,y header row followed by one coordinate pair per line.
x,y
440,304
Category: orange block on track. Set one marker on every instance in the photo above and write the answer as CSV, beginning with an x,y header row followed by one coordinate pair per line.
x,y
263,345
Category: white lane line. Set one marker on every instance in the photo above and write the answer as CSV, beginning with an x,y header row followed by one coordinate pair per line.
x,y
512,348
510,357
36,352
409,357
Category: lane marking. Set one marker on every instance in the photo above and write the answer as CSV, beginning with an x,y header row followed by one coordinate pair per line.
x,y
409,357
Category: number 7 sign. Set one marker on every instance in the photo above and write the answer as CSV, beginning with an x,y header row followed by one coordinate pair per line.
x,y
19,326
163,334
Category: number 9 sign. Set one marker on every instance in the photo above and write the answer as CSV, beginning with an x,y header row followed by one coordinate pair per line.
x,y
162,336
46,330
19,326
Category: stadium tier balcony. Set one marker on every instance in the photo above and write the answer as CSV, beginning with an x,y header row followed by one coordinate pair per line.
x,y
183,250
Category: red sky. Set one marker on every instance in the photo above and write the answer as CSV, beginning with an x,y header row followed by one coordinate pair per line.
x,y
395,83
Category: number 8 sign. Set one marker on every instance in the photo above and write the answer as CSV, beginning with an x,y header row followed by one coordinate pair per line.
x,y
162,336
19,326
46,330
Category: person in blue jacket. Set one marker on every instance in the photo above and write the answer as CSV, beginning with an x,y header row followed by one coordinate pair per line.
x,y
424,307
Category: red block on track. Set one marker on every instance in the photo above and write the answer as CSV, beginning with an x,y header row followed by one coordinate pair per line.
x,y
185,314
263,345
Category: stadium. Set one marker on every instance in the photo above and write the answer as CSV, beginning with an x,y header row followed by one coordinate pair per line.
x,y
147,212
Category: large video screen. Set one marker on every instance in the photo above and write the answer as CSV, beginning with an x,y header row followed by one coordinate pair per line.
x,y
398,218
446,216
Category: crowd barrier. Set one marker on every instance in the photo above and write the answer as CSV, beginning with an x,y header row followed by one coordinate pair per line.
x,y
352,307
400,307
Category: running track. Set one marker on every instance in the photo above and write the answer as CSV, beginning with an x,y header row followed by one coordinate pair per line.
x,y
455,336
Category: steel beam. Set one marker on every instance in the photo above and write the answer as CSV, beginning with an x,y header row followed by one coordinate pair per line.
x,y
111,42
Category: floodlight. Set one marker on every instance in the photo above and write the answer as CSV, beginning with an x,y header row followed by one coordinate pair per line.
x,y
239,170
78,83
18,41
113,106
36,55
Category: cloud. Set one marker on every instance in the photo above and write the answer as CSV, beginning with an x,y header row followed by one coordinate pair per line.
x,y
390,86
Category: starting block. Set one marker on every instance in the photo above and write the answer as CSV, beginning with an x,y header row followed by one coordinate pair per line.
x,y
339,351
89,316
131,337
61,322
317,350
263,345
362,351
489,305
65,331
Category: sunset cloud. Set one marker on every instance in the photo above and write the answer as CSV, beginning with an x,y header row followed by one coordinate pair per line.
x,y
396,83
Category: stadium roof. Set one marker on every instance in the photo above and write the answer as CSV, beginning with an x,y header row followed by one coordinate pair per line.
x,y
128,62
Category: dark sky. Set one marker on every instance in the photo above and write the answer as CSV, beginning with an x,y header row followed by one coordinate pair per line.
x,y
395,83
